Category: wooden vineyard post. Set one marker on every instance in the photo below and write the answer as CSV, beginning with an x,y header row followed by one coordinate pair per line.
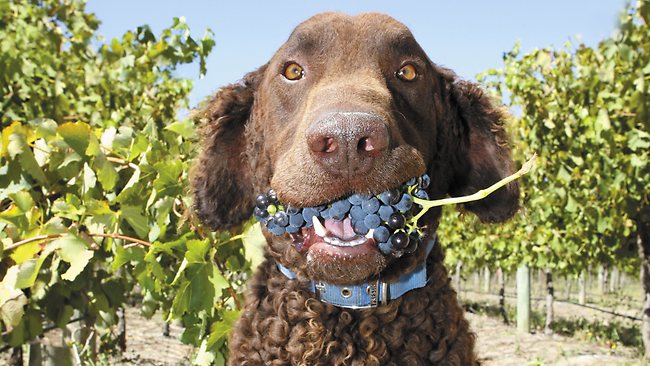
x,y
487,278
457,278
523,299
582,288
501,277
548,326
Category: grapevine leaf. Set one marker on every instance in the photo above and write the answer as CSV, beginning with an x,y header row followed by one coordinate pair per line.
x,y
12,300
184,128
73,250
76,135
219,330
136,220
254,242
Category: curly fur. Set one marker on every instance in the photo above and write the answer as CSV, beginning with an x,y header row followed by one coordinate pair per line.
x,y
282,324
253,139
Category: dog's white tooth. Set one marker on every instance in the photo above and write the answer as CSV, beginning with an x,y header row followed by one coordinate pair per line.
x,y
319,229
309,257
327,239
369,235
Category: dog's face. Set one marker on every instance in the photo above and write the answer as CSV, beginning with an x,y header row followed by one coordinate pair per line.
x,y
348,105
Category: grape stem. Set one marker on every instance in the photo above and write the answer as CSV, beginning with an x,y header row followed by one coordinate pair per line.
x,y
426,204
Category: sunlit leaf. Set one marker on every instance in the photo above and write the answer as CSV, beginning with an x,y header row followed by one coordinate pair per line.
x,y
76,135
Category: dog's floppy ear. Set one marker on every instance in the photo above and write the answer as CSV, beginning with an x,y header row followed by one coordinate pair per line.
x,y
483,155
221,178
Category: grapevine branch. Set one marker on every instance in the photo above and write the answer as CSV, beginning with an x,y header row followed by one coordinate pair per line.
x,y
426,204
57,236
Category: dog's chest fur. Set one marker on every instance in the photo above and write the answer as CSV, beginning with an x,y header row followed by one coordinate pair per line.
x,y
283,324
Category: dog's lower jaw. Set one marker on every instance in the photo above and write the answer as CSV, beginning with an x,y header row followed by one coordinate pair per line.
x,y
344,270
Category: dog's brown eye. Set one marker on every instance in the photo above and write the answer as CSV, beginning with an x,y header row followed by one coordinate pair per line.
x,y
293,71
407,73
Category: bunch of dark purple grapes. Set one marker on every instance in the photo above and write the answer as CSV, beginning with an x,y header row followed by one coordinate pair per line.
x,y
384,217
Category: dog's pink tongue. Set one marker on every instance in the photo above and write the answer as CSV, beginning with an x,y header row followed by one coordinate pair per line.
x,y
340,229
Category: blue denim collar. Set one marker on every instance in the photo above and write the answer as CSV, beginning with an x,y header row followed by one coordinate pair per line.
x,y
369,294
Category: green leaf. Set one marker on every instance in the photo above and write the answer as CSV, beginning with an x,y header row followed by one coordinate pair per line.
x,y
602,121
73,250
90,179
25,252
28,270
45,128
13,140
12,300
219,330
106,173
76,135
126,256
184,128
23,200
30,165
254,243
204,356
133,215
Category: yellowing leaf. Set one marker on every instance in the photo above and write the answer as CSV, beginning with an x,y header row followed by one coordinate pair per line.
x,y
25,252
254,243
76,135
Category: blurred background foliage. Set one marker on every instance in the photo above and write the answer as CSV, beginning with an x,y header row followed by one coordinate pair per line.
x,y
93,181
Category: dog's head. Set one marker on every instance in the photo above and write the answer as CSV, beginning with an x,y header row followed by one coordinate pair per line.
x,y
348,105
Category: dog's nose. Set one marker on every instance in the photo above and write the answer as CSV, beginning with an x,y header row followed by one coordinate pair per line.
x,y
347,143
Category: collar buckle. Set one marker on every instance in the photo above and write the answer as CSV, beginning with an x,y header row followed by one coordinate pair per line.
x,y
373,293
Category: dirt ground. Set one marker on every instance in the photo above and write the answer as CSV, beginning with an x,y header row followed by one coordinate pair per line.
x,y
498,344
503,345
146,345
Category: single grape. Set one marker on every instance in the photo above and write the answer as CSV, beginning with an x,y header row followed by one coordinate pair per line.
x,y
390,197
262,201
273,198
296,220
370,205
411,181
320,208
405,203
326,214
275,228
381,234
357,213
424,181
281,219
399,240
292,229
396,221
360,228
292,210
355,199
260,214
422,194
385,212
340,209
414,242
307,214
372,221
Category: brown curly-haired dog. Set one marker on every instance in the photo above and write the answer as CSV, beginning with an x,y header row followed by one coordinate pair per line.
x,y
349,104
